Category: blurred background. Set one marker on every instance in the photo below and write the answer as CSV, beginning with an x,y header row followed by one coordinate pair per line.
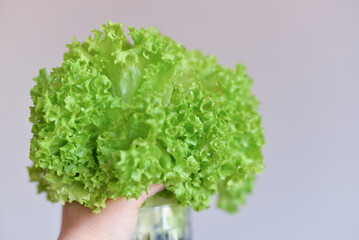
x,y
304,57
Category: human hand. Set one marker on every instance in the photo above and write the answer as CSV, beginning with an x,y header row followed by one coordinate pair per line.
x,y
116,221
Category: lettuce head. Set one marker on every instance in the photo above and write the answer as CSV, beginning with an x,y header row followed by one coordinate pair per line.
x,y
124,111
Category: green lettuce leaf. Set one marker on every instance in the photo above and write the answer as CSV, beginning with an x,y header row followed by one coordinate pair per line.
x,y
117,116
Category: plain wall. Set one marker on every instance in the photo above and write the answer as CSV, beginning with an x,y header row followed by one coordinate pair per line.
x,y
304,57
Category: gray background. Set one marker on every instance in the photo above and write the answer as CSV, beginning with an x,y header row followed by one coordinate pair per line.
x,y
304,57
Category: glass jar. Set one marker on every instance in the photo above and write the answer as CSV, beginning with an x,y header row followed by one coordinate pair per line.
x,y
163,220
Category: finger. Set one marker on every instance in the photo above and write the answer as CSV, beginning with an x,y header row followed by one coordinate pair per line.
x,y
155,189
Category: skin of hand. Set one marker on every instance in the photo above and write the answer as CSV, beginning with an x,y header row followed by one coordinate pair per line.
x,y
116,221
